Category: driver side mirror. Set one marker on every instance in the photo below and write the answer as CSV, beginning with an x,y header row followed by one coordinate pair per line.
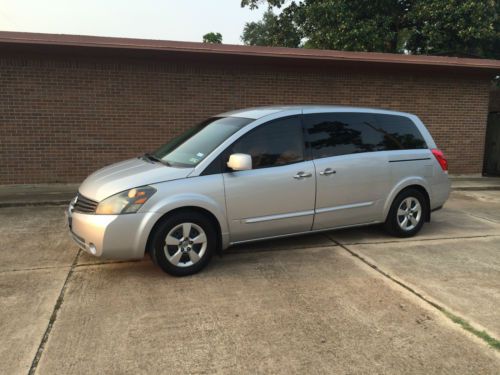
x,y
240,162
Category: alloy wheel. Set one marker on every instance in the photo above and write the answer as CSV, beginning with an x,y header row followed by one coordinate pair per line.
x,y
409,213
185,244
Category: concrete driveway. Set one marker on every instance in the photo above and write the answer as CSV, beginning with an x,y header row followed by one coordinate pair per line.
x,y
348,302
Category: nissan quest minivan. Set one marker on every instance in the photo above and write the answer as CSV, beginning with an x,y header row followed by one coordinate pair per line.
x,y
262,173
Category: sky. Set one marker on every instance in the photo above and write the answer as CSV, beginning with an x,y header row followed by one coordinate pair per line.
x,y
186,20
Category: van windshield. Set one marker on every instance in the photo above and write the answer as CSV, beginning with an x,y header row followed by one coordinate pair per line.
x,y
191,147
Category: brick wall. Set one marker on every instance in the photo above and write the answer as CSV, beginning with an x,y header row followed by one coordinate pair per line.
x,y
62,117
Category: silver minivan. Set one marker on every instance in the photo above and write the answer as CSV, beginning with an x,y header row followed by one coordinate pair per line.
x,y
262,173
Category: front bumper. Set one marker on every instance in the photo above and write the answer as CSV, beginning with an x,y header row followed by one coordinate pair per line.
x,y
111,236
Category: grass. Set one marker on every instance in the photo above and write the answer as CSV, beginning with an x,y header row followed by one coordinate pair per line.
x,y
491,341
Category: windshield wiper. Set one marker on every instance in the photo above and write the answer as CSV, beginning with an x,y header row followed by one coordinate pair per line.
x,y
151,157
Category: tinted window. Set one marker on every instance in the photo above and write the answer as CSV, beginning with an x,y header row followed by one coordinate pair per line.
x,y
276,143
191,147
400,133
333,134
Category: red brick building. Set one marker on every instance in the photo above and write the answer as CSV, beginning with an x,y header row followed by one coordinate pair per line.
x,y
71,104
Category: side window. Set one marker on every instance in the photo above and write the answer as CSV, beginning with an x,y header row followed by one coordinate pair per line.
x,y
333,134
273,144
400,133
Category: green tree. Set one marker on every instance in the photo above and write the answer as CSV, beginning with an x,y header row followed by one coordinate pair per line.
x,y
445,27
271,31
214,38
455,27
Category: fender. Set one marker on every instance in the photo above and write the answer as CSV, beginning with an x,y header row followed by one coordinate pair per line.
x,y
175,201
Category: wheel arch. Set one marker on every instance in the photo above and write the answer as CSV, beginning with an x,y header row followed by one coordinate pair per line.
x,y
191,208
419,185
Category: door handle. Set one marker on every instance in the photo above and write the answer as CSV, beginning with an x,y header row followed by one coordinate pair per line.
x,y
327,172
300,175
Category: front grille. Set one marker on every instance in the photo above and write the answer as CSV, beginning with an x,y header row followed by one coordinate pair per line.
x,y
84,205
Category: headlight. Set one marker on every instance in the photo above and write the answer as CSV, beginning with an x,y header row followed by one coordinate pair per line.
x,y
126,202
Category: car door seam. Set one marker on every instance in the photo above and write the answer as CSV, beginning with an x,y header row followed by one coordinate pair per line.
x,y
315,192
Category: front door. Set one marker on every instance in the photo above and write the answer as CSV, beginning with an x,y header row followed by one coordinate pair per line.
x,y
276,197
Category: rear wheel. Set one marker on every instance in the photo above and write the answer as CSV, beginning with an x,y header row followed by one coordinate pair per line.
x,y
183,243
407,214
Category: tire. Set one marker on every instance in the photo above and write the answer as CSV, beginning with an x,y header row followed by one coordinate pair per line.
x,y
177,254
406,217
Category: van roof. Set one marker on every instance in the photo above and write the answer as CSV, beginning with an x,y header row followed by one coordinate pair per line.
x,y
258,112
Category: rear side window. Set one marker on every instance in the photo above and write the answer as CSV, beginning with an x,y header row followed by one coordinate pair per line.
x,y
276,143
400,133
334,134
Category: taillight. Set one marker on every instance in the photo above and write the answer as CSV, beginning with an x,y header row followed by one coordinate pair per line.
x,y
438,154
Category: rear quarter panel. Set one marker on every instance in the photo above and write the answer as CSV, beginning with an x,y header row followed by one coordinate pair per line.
x,y
439,182
409,167
425,172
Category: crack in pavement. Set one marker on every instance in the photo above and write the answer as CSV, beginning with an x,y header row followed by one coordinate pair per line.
x,y
483,218
33,269
411,240
483,335
53,318
70,266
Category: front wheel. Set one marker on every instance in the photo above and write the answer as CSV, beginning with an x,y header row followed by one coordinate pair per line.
x,y
407,214
184,243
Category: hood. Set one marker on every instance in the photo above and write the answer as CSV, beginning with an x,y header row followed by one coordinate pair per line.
x,y
126,175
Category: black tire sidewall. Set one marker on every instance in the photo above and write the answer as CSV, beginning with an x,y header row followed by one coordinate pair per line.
x,y
161,231
391,223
